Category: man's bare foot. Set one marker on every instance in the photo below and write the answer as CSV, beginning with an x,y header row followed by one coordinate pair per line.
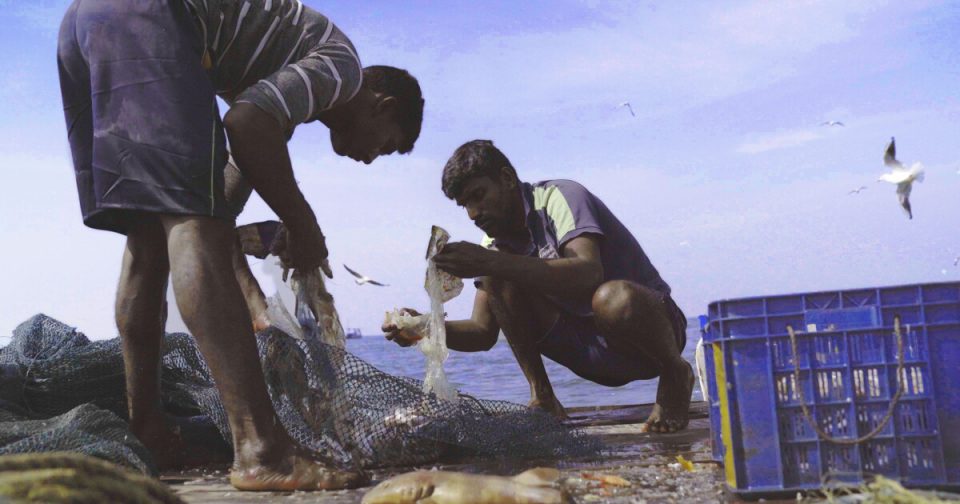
x,y
298,471
671,413
551,406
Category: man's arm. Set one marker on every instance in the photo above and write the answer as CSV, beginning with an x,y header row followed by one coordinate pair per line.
x,y
476,334
577,273
259,148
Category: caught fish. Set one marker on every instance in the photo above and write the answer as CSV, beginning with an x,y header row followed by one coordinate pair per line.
x,y
411,327
536,486
315,310
405,417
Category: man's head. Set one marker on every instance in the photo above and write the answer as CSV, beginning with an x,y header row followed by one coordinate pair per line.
x,y
385,116
481,180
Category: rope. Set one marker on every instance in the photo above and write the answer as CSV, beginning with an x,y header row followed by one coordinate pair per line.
x,y
893,402
61,477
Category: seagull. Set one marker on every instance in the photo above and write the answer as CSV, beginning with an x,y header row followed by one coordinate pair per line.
x,y
956,261
857,190
831,123
363,279
903,177
627,104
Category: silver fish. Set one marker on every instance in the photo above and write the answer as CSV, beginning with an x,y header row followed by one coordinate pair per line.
x,y
536,486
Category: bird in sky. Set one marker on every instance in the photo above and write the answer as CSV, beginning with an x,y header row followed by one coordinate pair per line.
x,y
857,190
902,176
831,123
363,279
627,104
956,261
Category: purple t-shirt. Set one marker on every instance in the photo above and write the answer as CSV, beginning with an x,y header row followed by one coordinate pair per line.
x,y
559,211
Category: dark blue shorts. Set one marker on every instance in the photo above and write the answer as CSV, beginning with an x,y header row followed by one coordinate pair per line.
x,y
575,343
141,112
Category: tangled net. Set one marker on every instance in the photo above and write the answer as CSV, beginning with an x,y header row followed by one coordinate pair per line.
x,y
61,391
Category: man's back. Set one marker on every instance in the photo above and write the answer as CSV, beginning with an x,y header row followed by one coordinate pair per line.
x,y
559,211
277,54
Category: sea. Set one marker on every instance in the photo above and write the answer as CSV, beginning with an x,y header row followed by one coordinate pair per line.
x,y
495,374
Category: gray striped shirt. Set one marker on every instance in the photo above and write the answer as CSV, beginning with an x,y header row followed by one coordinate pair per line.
x,y
279,55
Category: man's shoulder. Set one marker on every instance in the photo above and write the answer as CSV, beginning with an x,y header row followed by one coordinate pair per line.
x,y
563,192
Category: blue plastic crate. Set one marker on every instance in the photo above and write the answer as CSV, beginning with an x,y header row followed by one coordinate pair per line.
x,y
847,353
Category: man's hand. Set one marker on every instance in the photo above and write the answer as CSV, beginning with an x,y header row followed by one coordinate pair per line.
x,y
303,250
465,260
402,338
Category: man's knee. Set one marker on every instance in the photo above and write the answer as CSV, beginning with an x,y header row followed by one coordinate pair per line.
x,y
620,302
146,248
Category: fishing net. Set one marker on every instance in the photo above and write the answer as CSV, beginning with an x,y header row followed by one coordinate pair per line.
x,y
61,391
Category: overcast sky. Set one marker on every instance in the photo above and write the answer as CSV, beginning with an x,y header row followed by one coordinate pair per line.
x,y
725,175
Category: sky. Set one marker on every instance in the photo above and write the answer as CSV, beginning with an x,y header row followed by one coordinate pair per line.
x,y
725,175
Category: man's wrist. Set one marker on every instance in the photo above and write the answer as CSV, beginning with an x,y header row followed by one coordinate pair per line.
x,y
302,220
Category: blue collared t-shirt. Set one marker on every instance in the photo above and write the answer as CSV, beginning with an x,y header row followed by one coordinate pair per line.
x,y
560,210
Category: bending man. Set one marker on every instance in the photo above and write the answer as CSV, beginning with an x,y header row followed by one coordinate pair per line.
x,y
139,82
563,278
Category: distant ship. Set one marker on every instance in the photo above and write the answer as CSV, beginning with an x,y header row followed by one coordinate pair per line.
x,y
353,333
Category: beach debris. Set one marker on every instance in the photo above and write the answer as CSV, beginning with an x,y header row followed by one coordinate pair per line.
x,y
536,486
363,279
857,190
606,479
685,464
441,287
628,107
901,176
885,490
831,123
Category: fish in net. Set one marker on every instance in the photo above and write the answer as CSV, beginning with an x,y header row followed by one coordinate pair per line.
x,y
60,390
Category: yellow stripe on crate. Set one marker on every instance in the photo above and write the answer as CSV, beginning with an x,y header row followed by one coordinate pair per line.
x,y
725,432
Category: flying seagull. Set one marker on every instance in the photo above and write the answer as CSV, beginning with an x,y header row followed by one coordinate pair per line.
x,y
831,123
857,190
956,261
627,104
903,177
363,279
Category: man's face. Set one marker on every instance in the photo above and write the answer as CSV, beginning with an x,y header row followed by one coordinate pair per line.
x,y
372,134
491,204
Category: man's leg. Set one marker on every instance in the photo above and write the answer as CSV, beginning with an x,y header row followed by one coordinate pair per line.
x,y
209,298
525,319
140,320
633,317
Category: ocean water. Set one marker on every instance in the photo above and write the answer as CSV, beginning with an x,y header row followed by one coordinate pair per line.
x,y
496,375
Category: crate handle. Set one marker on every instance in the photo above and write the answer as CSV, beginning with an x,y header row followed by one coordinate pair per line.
x,y
893,402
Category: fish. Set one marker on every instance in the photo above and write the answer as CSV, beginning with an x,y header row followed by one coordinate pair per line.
x,y
536,486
